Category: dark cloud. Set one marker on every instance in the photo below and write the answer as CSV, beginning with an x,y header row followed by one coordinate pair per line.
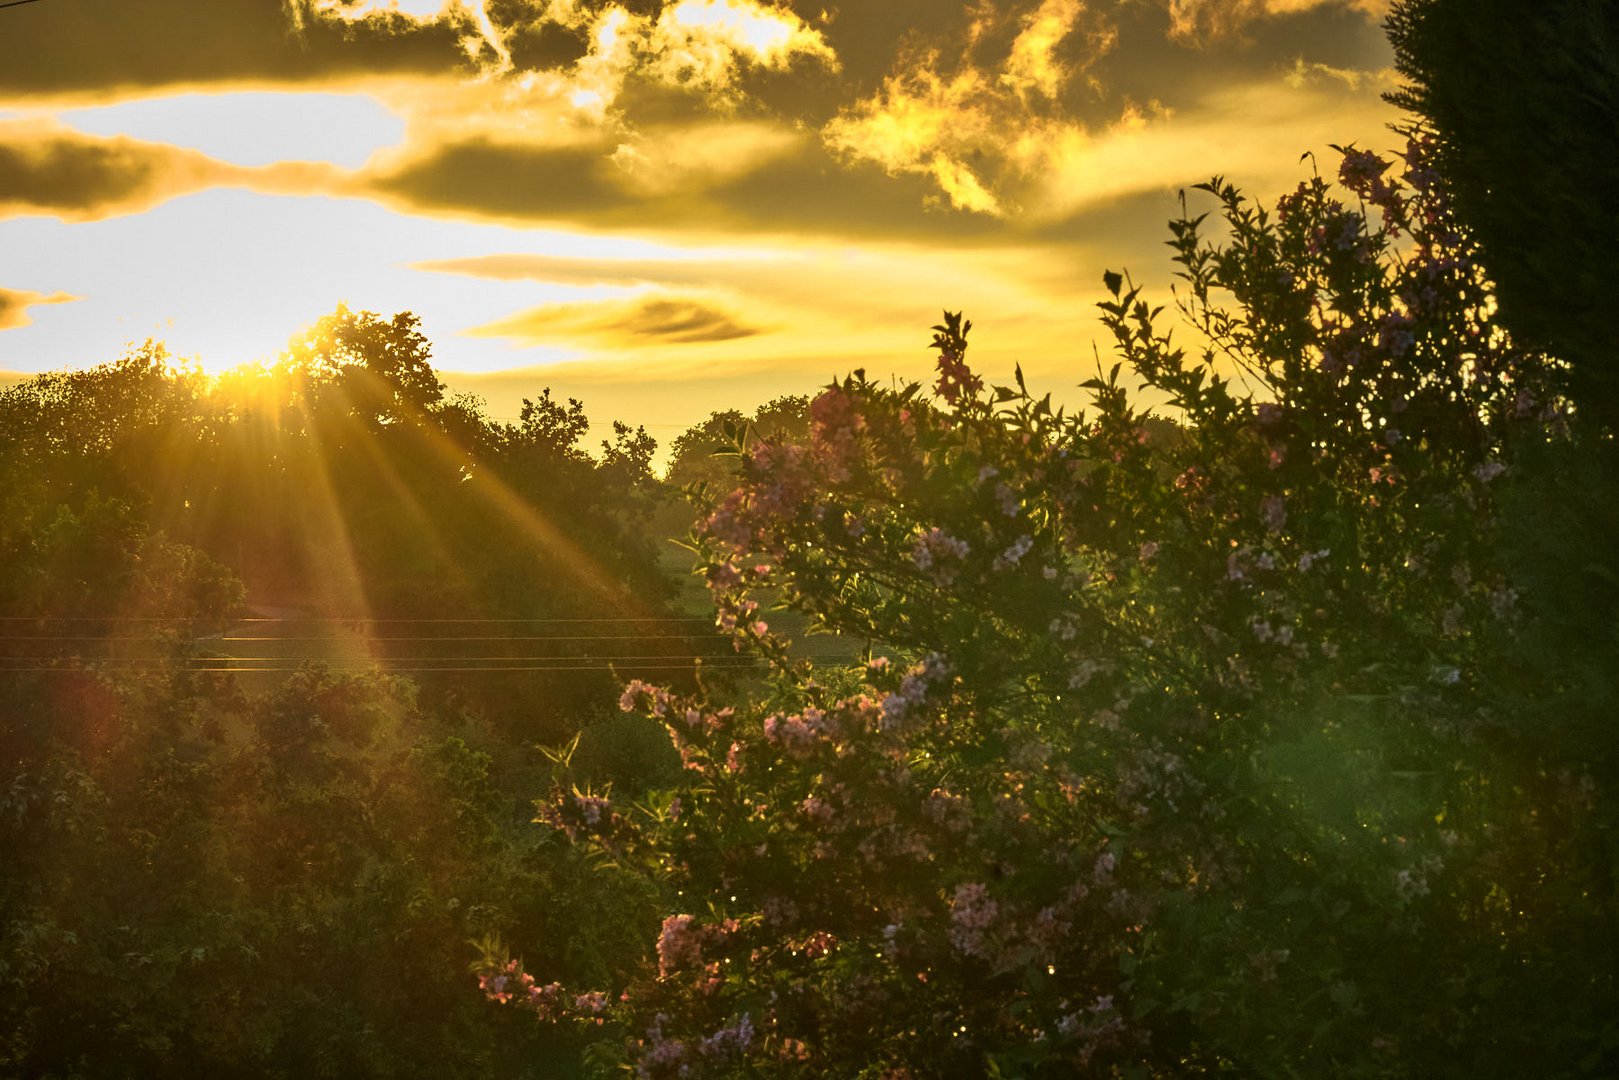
x,y
795,186
814,195
677,320
641,320
511,182
49,169
1152,64
805,193
868,36
535,43
14,305
64,46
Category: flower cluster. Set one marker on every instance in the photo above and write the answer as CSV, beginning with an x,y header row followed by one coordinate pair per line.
x,y
1115,791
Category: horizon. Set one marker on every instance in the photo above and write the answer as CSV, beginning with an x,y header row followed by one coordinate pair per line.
x,y
664,214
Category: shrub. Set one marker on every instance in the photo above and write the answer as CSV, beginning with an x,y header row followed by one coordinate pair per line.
x,y
1179,747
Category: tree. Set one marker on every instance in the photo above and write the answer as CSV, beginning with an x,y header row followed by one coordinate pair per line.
x,y
1523,101
374,368
706,453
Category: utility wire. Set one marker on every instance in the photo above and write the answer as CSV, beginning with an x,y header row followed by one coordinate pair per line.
x,y
4,637
341,620
404,670
358,660
17,3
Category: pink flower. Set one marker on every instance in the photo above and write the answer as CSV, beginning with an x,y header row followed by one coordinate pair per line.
x,y
727,1041
1362,172
817,809
938,553
592,808
1014,554
631,698
1273,511
956,380
971,913
679,945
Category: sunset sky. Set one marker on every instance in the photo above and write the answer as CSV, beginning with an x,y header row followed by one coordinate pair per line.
x,y
664,207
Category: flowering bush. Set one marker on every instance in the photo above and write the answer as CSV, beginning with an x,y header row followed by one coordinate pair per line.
x,y
1175,749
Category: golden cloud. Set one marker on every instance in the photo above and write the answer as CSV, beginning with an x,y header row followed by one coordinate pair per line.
x,y
999,135
698,46
702,42
961,127
637,321
921,122
1032,65
467,20
49,169
1272,123
678,160
14,305
695,45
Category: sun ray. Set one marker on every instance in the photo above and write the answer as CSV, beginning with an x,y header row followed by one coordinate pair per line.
x,y
545,537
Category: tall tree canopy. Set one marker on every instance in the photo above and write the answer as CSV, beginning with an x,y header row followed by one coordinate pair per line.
x,y
1523,100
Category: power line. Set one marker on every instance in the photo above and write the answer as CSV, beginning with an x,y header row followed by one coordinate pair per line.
x,y
370,660
421,638
344,620
17,3
738,665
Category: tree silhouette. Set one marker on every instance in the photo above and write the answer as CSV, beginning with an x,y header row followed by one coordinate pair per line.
x,y
379,368
1523,102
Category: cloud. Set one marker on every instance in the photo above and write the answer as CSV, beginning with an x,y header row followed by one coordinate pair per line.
x,y
1033,66
772,182
1272,119
49,169
651,319
94,50
671,114
1205,22
690,158
700,46
965,124
490,181
704,42
1023,120
817,298
46,168
467,20
14,305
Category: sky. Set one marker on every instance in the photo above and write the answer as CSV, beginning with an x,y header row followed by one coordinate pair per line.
x,y
662,207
